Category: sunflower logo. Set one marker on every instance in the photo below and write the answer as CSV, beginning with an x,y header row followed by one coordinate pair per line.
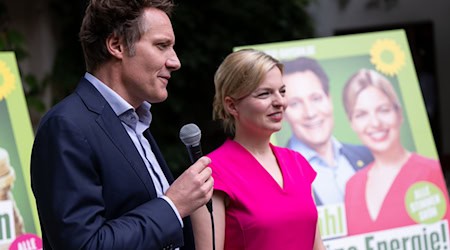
x,y
387,56
7,81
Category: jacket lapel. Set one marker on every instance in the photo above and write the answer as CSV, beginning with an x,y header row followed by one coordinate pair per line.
x,y
114,129
159,156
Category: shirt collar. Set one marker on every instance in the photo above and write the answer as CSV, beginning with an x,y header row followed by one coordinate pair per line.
x,y
310,153
117,103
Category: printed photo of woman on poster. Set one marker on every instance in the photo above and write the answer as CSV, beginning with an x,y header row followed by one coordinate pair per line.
x,y
7,179
400,187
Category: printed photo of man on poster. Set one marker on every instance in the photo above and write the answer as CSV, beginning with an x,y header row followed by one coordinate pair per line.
x,y
310,115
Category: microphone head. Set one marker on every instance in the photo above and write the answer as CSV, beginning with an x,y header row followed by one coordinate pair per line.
x,y
190,134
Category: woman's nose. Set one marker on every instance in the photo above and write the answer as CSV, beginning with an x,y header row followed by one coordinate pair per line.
x,y
280,100
374,121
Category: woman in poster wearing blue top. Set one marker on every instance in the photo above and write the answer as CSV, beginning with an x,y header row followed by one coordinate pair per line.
x,y
377,197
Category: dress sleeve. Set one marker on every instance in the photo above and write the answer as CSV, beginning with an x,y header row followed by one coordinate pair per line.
x,y
307,169
297,161
220,173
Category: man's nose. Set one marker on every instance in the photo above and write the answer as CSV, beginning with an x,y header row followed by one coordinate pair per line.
x,y
173,63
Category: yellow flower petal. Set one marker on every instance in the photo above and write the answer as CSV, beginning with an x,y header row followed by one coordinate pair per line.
x,y
7,80
389,46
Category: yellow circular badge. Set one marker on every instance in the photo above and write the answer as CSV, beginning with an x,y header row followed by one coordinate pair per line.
x,y
425,202
387,56
7,81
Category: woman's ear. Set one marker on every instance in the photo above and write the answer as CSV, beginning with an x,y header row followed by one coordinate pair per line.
x,y
230,106
114,46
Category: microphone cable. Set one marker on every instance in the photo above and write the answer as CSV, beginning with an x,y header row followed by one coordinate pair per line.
x,y
212,227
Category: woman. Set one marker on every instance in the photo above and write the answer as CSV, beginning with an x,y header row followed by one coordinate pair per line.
x,y
262,193
376,196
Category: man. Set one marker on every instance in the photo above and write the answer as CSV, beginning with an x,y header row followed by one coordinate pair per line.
x,y
310,114
99,179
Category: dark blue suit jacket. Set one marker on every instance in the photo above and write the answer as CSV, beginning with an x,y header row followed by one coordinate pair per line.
x,y
92,189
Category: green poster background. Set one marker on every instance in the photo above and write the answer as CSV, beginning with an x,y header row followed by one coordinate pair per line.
x,y
343,55
388,53
16,137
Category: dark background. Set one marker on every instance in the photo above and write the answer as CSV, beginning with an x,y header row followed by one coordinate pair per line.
x,y
206,31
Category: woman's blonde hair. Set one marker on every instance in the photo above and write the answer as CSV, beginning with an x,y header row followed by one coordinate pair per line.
x,y
238,75
361,80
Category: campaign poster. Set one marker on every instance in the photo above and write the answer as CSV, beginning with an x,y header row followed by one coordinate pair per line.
x,y
356,113
19,225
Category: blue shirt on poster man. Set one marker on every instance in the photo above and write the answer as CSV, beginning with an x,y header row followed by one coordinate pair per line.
x,y
329,185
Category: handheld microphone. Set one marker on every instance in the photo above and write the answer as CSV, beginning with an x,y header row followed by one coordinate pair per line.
x,y
190,135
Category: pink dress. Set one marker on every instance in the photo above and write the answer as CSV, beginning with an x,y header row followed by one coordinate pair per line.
x,y
393,212
261,214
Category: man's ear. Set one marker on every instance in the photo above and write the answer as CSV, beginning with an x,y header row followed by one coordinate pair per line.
x,y
115,46
230,106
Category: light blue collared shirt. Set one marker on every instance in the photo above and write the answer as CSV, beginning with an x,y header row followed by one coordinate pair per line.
x,y
330,181
135,123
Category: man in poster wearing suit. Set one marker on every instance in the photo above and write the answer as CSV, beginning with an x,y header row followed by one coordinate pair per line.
x,y
99,179
310,115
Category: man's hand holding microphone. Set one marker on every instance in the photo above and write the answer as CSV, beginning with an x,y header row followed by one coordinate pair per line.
x,y
194,187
